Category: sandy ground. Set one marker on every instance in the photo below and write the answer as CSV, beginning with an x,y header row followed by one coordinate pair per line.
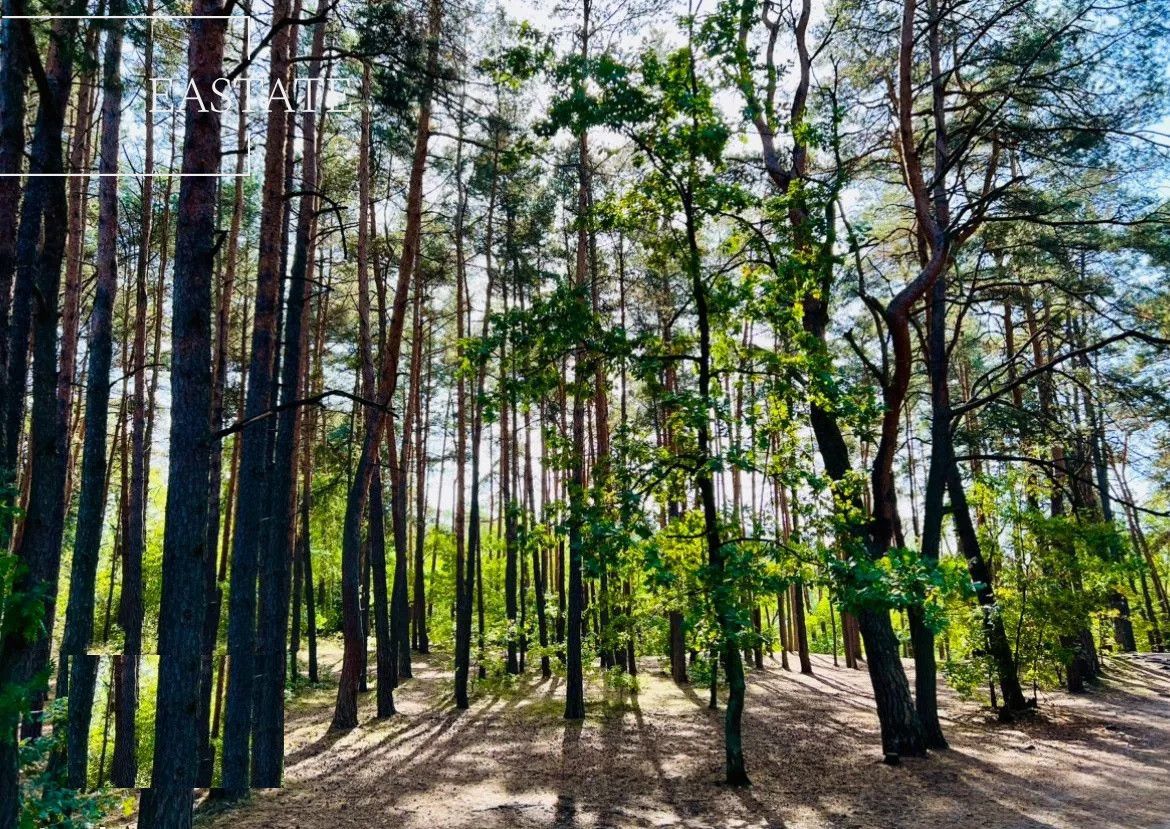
x,y
654,759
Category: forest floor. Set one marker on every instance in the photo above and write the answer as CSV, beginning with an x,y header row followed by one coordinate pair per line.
x,y
654,759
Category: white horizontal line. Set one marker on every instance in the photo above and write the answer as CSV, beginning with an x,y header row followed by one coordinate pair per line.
x,y
125,175
118,17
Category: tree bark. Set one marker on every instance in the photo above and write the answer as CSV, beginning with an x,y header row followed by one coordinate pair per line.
x,y
80,159
170,799
801,628
921,636
721,595
24,652
345,713
253,497
421,641
387,666
901,732
575,680
274,575
507,448
13,71
458,527
212,584
87,546
14,66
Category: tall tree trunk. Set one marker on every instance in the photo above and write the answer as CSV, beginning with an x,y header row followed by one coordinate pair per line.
x,y
801,628
944,474
169,804
676,621
901,729
87,546
345,712
24,652
458,528
422,429
157,320
400,610
375,541
307,556
538,572
133,526
387,666
13,71
212,586
921,635
999,646
575,679
306,552
399,468
14,319
722,594
253,500
473,577
80,158
507,449
272,627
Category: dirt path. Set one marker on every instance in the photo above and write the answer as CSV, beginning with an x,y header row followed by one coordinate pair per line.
x,y
655,759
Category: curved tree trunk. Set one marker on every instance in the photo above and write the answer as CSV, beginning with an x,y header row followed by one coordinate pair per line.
x,y
345,713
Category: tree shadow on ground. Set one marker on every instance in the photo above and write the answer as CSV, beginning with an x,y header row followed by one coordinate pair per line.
x,y
654,759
